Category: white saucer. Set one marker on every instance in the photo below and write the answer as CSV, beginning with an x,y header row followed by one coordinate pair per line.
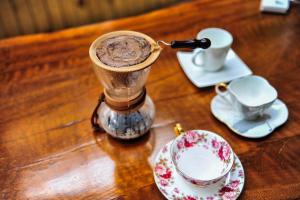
x,y
173,186
233,68
274,116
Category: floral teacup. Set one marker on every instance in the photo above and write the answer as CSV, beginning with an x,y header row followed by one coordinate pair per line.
x,y
201,157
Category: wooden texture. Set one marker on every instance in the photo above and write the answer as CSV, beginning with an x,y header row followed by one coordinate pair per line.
x,y
19,17
48,91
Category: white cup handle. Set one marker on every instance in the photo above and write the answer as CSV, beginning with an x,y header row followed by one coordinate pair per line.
x,y
220,92
199,52
223,92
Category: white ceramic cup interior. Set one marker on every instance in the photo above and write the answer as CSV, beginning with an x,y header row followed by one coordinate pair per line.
x,y
213,58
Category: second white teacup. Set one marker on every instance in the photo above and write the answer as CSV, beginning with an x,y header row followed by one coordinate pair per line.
x,y
213,58
250,95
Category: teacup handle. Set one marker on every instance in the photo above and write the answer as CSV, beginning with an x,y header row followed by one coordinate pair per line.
x,y
194,61
178,129
220,92
224,92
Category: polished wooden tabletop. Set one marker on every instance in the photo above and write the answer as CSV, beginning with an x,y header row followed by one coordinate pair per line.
x,y
48,91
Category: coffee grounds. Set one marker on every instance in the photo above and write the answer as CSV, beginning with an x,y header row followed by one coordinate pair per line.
x,y
123,51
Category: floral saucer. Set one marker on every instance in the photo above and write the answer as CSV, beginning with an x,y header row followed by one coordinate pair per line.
x,y
173,186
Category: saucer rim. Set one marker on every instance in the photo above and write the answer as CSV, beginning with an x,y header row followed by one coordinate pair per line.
x,y
247,135
169,143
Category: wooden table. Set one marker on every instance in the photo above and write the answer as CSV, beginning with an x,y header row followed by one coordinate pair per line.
x,y
48,91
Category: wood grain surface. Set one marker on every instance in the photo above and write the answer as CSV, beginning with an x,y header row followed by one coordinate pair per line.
x,y
48,91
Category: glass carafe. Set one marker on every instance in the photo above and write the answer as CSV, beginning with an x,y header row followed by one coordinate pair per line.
x,y
127,111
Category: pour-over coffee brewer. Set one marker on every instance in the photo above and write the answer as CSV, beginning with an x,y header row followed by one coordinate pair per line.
x,y
124,109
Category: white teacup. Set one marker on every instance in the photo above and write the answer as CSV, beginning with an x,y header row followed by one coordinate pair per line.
x,y
250,95
201,157
213,58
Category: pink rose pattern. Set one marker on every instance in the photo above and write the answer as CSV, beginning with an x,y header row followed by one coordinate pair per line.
x,y
191,138
165,149
241,173
224,151
229,196
235,183
230,191
163,182
214,143
189,198
176,190
164,173
180,144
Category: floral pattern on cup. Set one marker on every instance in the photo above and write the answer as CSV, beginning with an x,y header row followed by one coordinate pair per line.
x,y
223,149
192,138
164,172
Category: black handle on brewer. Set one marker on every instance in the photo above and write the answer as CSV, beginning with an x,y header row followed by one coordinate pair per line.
x,y
203,43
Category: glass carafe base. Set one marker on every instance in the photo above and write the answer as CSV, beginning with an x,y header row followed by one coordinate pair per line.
x,y
130,124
